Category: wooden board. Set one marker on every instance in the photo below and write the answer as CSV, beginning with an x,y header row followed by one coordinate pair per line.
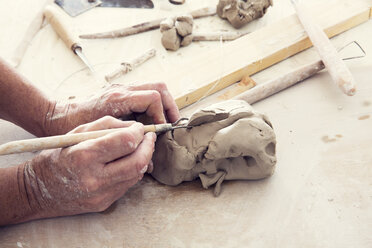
x,y
252,53
319,195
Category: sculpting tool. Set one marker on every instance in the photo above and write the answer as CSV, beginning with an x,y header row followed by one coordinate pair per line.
x,y
57,19
336,67
60,141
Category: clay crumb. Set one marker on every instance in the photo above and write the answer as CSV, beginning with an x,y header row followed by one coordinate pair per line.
x,y
339,136
326,139
71,97
366,103
363,117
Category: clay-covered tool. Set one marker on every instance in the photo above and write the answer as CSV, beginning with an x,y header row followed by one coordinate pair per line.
x,y
59,22
60,141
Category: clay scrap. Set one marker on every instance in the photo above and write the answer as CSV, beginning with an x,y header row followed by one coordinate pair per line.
x,y
176,31
227,141
241,12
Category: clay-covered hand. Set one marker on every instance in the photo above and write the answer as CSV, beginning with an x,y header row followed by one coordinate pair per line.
x,y
89,176
118,101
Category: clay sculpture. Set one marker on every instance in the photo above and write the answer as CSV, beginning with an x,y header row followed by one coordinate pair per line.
x,y
227,141
241,12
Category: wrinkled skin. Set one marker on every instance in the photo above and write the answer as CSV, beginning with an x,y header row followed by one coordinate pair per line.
x,y
90,176
118,101
86,177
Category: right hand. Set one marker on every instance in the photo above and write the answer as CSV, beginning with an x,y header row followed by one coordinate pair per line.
x,y
89,176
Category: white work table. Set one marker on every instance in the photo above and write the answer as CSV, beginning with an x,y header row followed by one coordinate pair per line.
x,y
319,196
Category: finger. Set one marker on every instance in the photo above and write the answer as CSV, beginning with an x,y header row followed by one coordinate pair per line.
x,y
169,104
114,145
148,101
134,165
106,122
119,189
110,194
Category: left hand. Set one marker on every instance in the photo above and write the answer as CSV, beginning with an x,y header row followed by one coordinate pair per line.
x,y
118,101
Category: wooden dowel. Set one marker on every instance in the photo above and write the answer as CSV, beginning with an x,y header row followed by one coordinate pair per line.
x,y
271,87
224,36
145,26
130,66
337,69
38,144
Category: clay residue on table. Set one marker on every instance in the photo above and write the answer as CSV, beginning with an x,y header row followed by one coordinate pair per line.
x,y
227,141
241,12
363,117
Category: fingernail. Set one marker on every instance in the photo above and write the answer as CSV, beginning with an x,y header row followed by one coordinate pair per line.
x,y
144,169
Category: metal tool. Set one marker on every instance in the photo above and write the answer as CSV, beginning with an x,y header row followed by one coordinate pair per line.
x,y
145,4
77,7
58,20
60,141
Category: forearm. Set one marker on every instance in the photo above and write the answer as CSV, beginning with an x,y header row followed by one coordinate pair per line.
x,y
21,102
15,202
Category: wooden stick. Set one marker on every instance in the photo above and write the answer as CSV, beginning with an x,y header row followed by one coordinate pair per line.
x,y
224,36
264,90
33,28
127,67
336,67
145,26
38,144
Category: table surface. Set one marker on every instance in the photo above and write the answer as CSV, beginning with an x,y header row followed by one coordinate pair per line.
x,y
319,196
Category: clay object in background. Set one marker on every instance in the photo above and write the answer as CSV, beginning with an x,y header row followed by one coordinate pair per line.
x,y
240,12
176,31
227,141
171,40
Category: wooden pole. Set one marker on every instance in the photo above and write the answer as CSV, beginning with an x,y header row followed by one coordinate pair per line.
x,y
271,87
60,141
216,36
336,67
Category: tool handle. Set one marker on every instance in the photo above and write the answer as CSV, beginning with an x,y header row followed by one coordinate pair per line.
x,y
60,141
59,21
338,70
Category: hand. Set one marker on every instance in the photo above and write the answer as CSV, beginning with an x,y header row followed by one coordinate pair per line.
x,y
118,101
89,176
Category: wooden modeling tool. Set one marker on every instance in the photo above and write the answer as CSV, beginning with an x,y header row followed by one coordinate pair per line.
x,y
60,141
336,67
57,19
145,26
